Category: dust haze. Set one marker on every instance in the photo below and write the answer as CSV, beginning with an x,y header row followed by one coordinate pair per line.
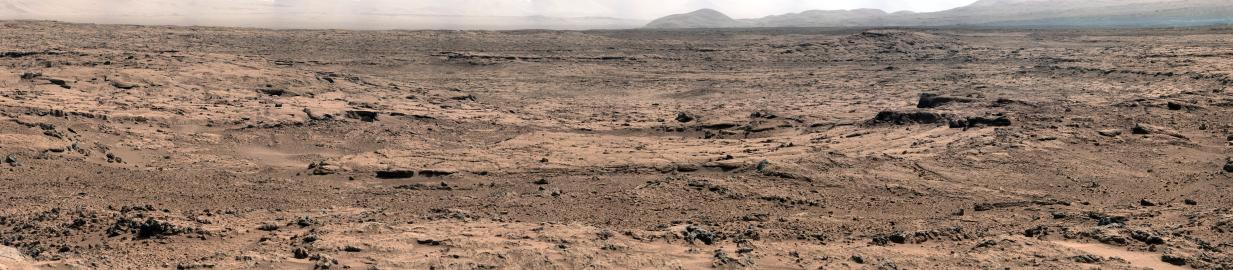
x,y
997,134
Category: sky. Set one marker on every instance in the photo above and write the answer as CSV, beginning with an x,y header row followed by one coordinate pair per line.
x,y
644,9
408,14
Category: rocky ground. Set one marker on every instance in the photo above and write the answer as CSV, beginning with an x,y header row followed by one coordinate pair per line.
x,y
192,147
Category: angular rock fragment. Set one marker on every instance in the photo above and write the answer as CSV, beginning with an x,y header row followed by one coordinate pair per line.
x,y
1146,129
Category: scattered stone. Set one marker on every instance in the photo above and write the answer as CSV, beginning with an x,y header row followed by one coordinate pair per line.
x,y
1228,165
11,159
684,117
930,100
693,233
1190,202
350,248
310,238
541,181
112,158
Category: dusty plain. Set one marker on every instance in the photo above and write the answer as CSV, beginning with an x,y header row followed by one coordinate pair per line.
x,y
137,147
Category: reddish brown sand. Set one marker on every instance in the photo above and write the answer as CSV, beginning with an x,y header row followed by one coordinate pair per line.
x,y
178,147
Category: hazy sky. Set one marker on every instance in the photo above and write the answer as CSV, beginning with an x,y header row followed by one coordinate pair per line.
x,y
647,9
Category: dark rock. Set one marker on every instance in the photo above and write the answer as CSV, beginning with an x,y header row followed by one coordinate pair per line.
x,y
11,159
929,100
1228,165
979,121
428,242
464,98
300,253
858,259
395,174
987,243
323,168
268,227
693,233
1037,231
366,116
153,228
112,158
1173,259
1177,106
1110,132
541,181
304,222
418,186
123,85
1112,220
722,259
1190,202
352,249
436,173
684,117
30,75
1059,215
902,118
317,117
276,91
1147,202
61,82
1089,259
1146,129
310,238
1147,238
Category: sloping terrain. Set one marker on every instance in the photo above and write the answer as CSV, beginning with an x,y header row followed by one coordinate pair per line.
x,y
193,147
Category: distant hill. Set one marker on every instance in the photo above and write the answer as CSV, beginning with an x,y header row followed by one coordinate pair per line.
x,y
1029,13
704,18
280,14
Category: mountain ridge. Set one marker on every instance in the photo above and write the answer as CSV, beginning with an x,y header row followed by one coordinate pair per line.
x,y
1059,13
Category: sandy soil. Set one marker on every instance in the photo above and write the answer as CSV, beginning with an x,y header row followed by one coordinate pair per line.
x,y
190,148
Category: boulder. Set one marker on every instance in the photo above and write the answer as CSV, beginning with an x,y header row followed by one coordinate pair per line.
x,y
929,100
